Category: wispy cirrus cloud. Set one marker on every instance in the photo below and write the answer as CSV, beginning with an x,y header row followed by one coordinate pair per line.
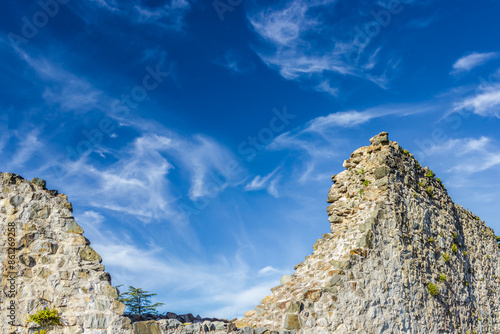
x,y
234,286
235,62
304,45
169,14
64,89
473,60
485,102
466,155
267,182
142,167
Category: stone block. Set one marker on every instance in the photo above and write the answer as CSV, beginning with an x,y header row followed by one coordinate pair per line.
x,y
292,321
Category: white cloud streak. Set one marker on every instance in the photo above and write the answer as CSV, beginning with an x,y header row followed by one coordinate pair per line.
x,y
265,182
228,282
486,102
473,60
292,41
170,15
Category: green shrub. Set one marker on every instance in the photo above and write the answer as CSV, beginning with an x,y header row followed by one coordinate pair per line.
x,y
430,174
428,190
361,191
454,248
433,289
454,235
46,317
406,152
415,195
442,277
446,257
421,184
366,183
431,239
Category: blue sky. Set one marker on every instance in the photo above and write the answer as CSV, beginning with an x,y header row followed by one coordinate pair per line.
x,y
196,139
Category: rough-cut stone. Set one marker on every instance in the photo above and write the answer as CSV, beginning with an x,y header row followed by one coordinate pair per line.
x,y
147,327
292,321
285,279
389,239
396,236
40,252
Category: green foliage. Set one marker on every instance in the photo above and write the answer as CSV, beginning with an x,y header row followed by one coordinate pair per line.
x,y
366,183
431,239
433,289
361,191
439,180
420,183
454,235
419,166
442,277
406,152
430,174
46,317
446,257
415,195
428,190
454,248
138,301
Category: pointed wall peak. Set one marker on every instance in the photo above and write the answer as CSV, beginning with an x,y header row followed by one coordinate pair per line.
x,y
400,257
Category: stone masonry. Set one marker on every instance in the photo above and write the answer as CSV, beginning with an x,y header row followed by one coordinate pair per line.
x,y
396,236
401,257
47,262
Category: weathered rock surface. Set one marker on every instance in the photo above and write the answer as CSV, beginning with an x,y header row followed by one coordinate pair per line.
x,y
394,231
46,262
396,236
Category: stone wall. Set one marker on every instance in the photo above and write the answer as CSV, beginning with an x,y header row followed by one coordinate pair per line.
x,y
47,262
394,231
400,257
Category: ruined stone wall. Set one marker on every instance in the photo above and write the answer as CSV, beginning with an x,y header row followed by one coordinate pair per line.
x,y
47,262
401,257
394,230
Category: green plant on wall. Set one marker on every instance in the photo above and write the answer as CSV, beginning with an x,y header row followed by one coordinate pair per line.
x,y
45,318
446,257
433,289
454,248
